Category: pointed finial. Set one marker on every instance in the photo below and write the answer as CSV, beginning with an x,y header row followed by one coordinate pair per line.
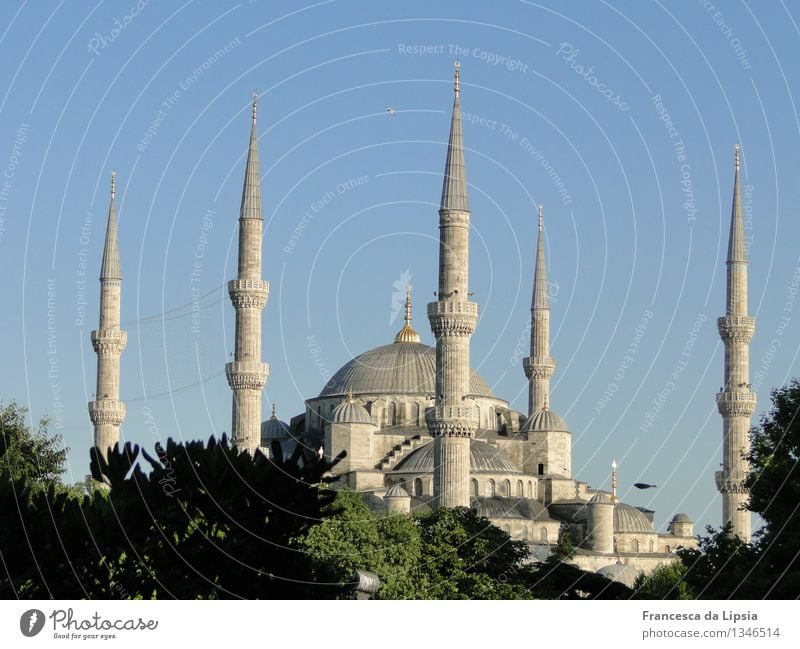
x,y
738,156
407,333
457,86
545,405
274,416
408,304
350,394
113,184
614,481
541,208
255,104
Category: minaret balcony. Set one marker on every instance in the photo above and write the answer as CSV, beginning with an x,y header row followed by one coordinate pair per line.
x,y
730,481
539,368
453,317
452,421
107,411
736,328
109,341
247,375
736,404
248,293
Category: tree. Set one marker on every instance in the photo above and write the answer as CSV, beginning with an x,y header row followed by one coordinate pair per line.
x,y
774,483
27,454
667,581
203,521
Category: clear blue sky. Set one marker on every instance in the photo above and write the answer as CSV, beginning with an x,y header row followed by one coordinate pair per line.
x,y
636,229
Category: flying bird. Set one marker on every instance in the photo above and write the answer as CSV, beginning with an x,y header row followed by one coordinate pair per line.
x,y
390,110
643,485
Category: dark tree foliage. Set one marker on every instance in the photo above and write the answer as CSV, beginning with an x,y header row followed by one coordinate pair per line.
x,y
27,454
204,521
774,483
555,579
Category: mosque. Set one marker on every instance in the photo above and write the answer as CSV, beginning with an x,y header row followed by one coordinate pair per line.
x,y
422,430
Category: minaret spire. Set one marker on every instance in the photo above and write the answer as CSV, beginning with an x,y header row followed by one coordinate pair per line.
x,y
539,366
453,317
736,402
247,375
107,412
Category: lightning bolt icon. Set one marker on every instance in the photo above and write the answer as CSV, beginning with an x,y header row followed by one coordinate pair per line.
x,y
32,621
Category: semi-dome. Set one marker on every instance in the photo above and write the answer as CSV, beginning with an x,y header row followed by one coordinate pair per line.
x,y
602,498
483,458
396,491
350,412
629,519
399,368
621,573
545,421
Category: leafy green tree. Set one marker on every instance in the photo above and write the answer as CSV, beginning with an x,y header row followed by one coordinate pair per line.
x,y
667,581
774,483
203,521
27,454
557,579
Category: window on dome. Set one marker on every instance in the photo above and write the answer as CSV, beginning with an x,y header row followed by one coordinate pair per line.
x,y
417,487
473,489
490,489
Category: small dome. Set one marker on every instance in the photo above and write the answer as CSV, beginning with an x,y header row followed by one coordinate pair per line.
x,y
545,421
483,458
629,519
681,518
273,428
602,498
350,412
396,491
618,572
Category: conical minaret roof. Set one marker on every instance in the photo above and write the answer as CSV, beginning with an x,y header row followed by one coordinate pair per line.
x,y
111,268
251,192
541,300
737,252
454,188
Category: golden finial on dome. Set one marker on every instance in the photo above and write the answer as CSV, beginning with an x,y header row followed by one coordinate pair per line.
x,y
274,416
407,333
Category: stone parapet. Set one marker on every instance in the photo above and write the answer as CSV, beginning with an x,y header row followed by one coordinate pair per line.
x,y
736,328
736,404
107,411
109,341
452,317
731,481
247,376
248,293
539,368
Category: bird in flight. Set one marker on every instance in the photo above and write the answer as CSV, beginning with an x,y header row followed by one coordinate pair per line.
x,y
390,110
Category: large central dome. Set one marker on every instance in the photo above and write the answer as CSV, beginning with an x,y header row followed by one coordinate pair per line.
x,y
400,368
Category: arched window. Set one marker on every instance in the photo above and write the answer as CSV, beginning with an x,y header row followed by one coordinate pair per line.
x,y
473,488
543,535
666,549
635,546
491,420
525,533
506,488
616,545
418,487
490,491
530,489
541,469
652,545
414,415
520,489
478,415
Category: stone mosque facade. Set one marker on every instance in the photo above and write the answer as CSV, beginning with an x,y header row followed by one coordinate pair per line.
x,y
421,430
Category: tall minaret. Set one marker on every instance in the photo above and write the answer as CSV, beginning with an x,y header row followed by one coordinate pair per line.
x,y
107,412
539,367
247,375
453,421
736,402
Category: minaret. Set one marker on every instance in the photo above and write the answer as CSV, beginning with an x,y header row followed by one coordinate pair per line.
x,y
247,375
736,402
453,421
107,412
539,367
